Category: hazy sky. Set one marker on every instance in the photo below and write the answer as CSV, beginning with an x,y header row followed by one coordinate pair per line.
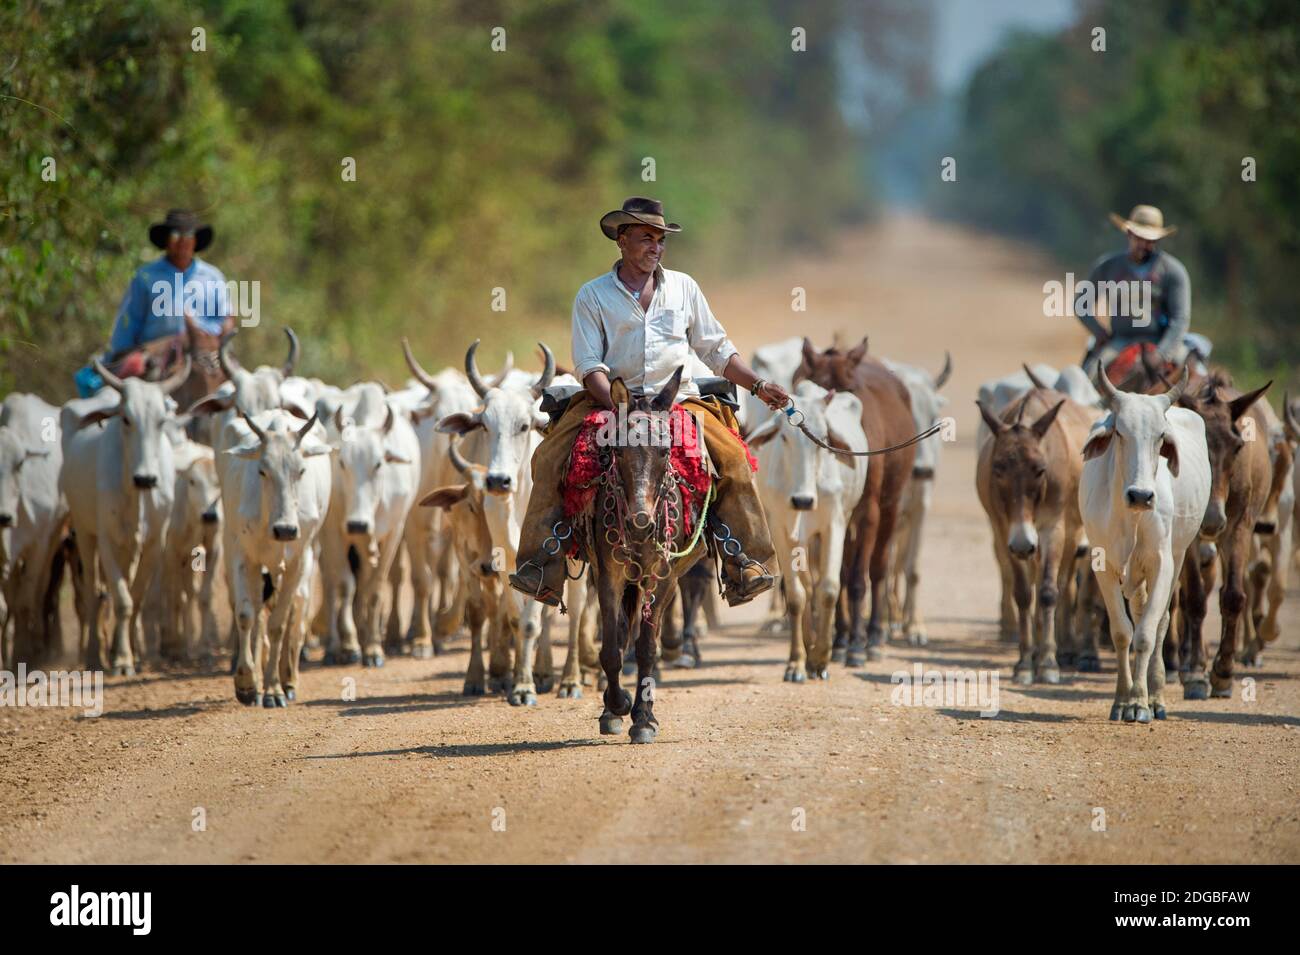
x,y
968,30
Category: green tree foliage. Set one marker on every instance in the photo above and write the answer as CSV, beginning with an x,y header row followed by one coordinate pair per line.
x,y
1057,134
475,168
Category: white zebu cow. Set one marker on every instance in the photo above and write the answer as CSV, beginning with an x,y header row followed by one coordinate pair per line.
x,y
375,480
439,584
809,493
502,434
254,391
275,491
119,480
775,361
32,515
1073,381
1142,496
905,548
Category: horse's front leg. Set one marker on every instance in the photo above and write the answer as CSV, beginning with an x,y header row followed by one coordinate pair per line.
x,y
644,724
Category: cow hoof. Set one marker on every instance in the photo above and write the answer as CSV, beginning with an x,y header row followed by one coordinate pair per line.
x,y
545,684
522,697
795,674
839,654
917,639
421,651
1116,711
1088,663
373,659
821,673
473,688
291,695
642,733
1049,675
343,658
1023,677
610,725
570,691
855,657
1066,659
1130,712
500,684
123,669
247,696
1196,690
274,701
1158,711
875,652
302,656
1142,714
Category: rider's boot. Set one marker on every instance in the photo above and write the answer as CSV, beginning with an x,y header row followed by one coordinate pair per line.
x,y
541,575
743,578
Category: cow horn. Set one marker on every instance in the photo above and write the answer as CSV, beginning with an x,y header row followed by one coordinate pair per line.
x,y
453,453
302,433
292,360
1034,379
110,379
422,376
1176,392
946,373
1104,387
178,378
471,371
548,372
227,366
261,435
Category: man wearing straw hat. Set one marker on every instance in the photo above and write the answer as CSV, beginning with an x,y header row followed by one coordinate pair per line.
x,y
1142,265
639,322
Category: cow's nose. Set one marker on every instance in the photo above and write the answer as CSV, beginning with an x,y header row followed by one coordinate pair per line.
x,y
145,480
486,569
285,532
801,502
923,474
498,483
210,517
1140,499
6,520
358,527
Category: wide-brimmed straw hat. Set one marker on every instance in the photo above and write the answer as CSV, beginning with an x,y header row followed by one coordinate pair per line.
x,y
181,220
1145,222
637,211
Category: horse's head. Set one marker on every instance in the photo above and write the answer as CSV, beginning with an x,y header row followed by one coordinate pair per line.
x,y
642,449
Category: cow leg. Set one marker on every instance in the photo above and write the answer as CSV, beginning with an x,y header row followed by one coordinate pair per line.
x,y
1156,675
878,567
209,570
121,662
575,596
1121,632
88,602
1152,613
524,691
501,645
796,595
476,617
613,622
295,640
394,632
1088,656
420,556
1232,601
147,573
246,593
349,648
277,627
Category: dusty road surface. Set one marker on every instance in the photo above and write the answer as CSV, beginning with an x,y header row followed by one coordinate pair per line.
x,y
746,768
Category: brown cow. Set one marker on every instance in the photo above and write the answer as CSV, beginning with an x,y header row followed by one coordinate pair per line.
x,y
887,420
1027,477
1236,431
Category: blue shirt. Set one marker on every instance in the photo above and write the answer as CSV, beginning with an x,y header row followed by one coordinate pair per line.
x,y
156,300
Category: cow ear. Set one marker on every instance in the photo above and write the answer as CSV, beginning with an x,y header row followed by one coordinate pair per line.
x,y
395,457
996,425
1099,441
764,433
1169,451
212,404
459,423
94,417
1041,426
445,497
248,452
618,393
1239,406
297,412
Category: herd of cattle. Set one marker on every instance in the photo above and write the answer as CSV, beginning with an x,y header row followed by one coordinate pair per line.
x,y
1113,512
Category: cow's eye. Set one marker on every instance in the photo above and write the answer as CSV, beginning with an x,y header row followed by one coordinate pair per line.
x,y
378,465
301,472
523,428
126,422
261,472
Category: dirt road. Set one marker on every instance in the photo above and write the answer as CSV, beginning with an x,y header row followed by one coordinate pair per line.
x,y
746,768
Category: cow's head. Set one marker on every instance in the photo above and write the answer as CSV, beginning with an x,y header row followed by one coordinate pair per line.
x,y
1222,415
281,453
927,408
140,412
197,481
802,470
14,453
464,504
1018,469
365,451
507,416
1136,433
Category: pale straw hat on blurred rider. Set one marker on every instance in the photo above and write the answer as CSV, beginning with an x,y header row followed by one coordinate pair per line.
x,y
1145,222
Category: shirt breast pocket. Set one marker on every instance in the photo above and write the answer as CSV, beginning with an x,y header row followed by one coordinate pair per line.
x,y
669,324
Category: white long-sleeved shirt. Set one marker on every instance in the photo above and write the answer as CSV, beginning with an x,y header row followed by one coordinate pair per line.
x,y
613,334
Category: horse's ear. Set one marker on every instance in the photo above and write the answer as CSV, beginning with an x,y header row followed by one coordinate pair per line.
x,y
618,392
858,352
664,400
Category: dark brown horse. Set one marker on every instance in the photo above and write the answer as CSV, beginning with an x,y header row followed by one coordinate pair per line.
x,y
887,420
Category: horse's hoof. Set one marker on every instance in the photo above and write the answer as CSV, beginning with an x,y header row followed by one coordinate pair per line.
x,y
1087,663
684,662
856,657
522,697
1221,692
875,652
839,654
1023,677
642,733
473,688
1142,714
421,651
610,725
1066,659
246,696
1158,711
544,683
1049,675
1196,690
570,691
819,673
274,701
795,674
1116,711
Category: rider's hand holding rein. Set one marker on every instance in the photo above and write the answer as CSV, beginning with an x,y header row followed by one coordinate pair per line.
x,y
769,392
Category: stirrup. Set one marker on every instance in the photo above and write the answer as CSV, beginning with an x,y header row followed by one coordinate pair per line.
x,y
539,592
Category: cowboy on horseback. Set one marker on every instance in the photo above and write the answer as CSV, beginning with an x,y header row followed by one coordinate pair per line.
x,y
1150,296
639,322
